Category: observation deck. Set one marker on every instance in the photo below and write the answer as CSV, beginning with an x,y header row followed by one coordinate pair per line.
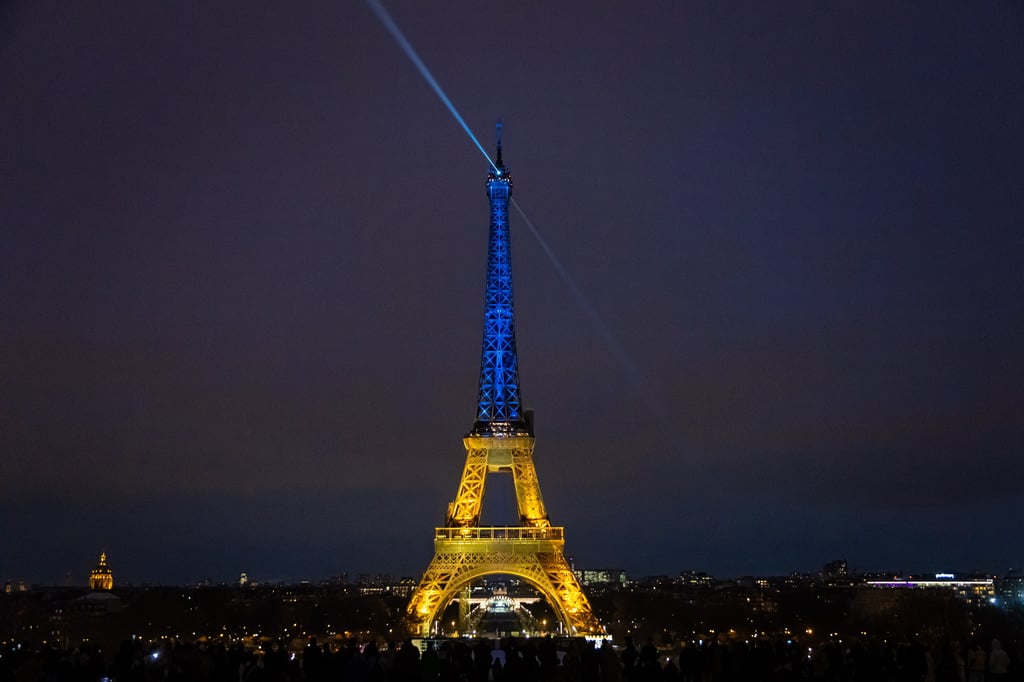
x,y
515,539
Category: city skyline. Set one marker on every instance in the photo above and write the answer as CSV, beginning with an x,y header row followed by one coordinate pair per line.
x,y
830,571
244,257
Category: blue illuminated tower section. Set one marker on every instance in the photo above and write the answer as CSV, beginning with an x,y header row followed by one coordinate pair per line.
x,y
499,408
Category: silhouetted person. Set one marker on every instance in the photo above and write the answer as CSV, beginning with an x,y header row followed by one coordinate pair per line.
x,y
977,663
670,673
629,658
998,662
590,661
429,664
611,669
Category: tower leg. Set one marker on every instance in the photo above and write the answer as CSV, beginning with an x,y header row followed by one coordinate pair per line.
x,y
465,510
528,497
464,597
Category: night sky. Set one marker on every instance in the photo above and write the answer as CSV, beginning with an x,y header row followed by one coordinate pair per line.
x,y
242,259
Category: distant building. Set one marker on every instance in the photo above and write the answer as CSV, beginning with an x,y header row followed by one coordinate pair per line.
x,y
405,586
340,580
835,569
97,603
375,580
1010,590
383,583
695,579
101,577
976,592
756,582
605,577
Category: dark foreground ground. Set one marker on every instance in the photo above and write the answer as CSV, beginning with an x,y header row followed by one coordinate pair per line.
x,y
513,660
339,634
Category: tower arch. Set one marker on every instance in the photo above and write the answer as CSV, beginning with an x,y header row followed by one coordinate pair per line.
x,y
532,571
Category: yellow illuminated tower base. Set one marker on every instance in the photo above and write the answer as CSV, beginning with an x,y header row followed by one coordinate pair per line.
x,y
465,551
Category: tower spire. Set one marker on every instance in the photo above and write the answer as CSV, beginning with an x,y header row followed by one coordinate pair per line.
x,y
497,160
499,409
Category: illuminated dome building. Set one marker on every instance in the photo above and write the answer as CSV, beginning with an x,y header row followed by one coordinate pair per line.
x,y
101,577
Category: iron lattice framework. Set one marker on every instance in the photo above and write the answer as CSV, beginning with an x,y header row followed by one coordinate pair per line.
x,y
498,407
501,442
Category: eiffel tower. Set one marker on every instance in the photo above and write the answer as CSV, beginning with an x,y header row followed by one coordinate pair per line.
x,y
501,441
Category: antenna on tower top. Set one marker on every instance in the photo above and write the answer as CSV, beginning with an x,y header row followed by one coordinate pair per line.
x,y
497,161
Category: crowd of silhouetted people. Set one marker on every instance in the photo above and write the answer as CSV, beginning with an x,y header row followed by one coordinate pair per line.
x,y
517,660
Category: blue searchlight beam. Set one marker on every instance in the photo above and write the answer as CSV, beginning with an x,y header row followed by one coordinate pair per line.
x,y
407,47
617,351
